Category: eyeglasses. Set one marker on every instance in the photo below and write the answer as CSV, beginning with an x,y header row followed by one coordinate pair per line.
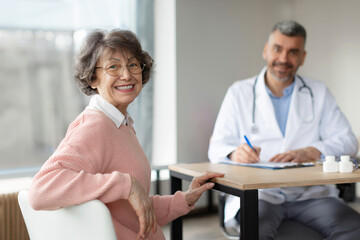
x,y
116,69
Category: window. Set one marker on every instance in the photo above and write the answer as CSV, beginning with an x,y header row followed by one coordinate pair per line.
x,y
39,97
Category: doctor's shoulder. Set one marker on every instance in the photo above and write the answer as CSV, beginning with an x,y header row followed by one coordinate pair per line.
x,y
241,87
317,84
318,88
243,84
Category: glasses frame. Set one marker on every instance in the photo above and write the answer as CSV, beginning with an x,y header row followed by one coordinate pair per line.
x,y
142,65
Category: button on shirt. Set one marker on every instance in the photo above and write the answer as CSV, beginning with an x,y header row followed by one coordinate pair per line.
x,y
281,106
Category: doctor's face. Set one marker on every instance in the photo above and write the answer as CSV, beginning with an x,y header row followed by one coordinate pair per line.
x,y
284,55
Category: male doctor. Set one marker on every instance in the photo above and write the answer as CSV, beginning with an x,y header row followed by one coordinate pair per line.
x,y
287,118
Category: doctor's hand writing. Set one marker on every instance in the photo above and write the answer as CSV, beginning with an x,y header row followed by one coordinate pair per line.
x,y
308,154
143,206
245,154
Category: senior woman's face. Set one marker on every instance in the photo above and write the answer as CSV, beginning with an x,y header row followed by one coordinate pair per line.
x,y
119,90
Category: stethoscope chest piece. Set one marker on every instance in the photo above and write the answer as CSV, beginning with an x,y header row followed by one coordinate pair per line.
x,y
254,128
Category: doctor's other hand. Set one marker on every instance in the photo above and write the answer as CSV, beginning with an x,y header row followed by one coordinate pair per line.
x,y
143,206
199,185
308,154
245,154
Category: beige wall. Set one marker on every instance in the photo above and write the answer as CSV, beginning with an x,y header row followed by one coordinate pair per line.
x,y
218,42
334,50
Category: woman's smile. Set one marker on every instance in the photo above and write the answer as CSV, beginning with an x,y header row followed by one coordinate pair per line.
x,y
125,88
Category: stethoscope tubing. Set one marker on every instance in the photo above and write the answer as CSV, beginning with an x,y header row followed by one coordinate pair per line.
x,y
304,86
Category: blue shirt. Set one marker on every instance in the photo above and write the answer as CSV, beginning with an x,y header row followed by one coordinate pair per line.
x,y
281,106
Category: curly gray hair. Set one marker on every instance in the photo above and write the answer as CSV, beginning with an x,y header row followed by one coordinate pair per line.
x,y
96,44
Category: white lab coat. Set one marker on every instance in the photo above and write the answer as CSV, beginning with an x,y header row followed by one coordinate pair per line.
x,y
326,129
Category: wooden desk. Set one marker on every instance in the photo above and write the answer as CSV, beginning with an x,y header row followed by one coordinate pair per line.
x,y
244,182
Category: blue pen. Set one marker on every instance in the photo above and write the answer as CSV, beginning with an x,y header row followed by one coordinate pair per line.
x,y
248,142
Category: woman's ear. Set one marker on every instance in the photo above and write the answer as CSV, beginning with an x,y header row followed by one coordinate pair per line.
x,y
94,83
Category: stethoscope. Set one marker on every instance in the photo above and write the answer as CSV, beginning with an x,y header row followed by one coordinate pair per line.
x,y
255,129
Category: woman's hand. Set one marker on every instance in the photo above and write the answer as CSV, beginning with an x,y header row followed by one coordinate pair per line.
x,y
308,154
199,185
143,207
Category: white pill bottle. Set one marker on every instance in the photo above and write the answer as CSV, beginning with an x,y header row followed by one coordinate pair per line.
x,y
330,165
345,165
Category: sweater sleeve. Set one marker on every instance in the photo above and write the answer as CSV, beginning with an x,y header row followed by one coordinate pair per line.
x,y
169,207
73,174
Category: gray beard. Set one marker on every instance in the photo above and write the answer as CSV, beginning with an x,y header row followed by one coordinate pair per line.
x,y
284,79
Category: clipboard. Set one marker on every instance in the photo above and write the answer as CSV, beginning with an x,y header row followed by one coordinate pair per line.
x,y
272,165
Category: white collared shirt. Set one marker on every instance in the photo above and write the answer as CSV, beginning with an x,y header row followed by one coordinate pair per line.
x,y
99,103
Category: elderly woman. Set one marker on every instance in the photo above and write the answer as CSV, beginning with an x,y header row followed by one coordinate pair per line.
x,y
100,157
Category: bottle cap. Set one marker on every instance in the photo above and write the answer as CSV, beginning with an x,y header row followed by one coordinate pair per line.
x,y
345,158
330,158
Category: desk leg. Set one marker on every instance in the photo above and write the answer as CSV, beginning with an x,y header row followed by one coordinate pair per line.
x,y
249,215
176,225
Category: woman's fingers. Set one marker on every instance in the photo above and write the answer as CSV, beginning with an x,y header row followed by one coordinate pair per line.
x,y
193,195
150,218
142,223
206,176
151,223
199,185
154,226
200,190
143,207
141,234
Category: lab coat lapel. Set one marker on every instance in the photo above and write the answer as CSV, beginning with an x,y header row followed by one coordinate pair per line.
x,y
265,110
300,102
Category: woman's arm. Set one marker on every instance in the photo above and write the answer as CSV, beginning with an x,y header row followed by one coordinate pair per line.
x,y
168,208
69,178
73,174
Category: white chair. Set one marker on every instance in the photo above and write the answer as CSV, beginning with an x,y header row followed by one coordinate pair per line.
x,y
87,221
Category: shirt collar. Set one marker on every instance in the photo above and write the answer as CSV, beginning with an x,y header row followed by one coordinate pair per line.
x,y
99,103
286,92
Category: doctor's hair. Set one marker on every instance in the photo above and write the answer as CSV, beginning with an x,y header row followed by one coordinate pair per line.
x,y
290,29
100,43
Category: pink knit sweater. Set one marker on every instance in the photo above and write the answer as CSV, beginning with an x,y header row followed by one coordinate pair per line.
x,y
95,161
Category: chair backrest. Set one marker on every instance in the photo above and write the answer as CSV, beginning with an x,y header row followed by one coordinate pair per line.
x,y
87,221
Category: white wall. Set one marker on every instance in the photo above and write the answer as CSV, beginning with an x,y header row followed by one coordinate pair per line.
x,y
218,42
164,122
